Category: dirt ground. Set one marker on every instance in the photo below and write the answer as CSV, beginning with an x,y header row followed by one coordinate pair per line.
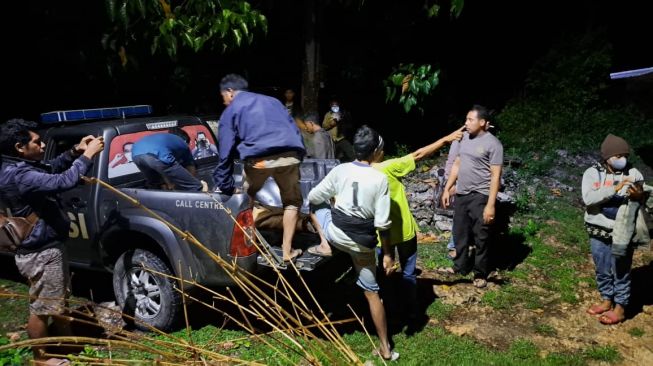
x,y
567,327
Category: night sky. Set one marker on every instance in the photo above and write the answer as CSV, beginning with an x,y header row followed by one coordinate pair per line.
x,y
53,58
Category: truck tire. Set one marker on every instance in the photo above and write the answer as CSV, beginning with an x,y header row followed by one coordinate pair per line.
x,y
149,298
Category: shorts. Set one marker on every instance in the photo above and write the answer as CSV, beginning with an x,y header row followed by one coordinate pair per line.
x,y
364,261
49,280
286,177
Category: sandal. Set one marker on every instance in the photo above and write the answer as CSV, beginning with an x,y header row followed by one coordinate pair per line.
x,y
315,250
596,309
53,362
445,270
610,317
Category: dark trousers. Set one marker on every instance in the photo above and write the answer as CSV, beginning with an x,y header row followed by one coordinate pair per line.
x,y
471,235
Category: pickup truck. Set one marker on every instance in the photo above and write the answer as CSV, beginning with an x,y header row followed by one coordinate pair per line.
x,y
108,233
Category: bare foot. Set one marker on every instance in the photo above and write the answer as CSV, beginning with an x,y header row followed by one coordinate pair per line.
x,y
601,308
290,257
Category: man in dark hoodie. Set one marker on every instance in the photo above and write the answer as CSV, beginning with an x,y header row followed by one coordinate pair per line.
x,y
258,130
29,188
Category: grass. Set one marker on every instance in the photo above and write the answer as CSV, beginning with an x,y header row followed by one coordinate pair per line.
x,y
439,310
9,321
433,346
545,330
602,353
509,296
636,332
433,255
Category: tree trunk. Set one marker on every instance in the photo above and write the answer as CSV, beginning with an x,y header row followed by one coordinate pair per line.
x,y
311,75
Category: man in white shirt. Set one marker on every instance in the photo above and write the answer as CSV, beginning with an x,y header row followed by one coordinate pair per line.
x,y
361,208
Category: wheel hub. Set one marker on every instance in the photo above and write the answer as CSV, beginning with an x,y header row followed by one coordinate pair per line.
x,y
146,291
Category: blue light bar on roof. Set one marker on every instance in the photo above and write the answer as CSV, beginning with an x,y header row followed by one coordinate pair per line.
x,y
631,73
97,113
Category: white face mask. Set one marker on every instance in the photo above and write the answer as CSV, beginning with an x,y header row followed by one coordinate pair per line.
x,y
335,109
618,163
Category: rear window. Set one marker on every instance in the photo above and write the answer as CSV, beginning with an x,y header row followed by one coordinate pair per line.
x,y
202,146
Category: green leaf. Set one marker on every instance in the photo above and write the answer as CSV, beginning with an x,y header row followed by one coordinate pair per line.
x,y
457,7
407,107
433,11
421,71
172,46
199,42
188,40
397,79
264,23
141,8
243,26
426,87
237,36
111,10
122,13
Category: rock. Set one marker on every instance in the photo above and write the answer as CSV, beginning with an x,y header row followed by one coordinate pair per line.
x,y
109,316
437,217
444,225
422,215
648,309
14,336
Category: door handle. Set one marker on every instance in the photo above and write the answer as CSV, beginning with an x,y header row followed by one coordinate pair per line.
x,y
77,202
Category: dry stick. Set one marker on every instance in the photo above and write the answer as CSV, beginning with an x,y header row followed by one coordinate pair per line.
x,y
189,237
360,321
85,303
126,338
337,337
242,313
222,297
53,341
183,301
259,337
286,284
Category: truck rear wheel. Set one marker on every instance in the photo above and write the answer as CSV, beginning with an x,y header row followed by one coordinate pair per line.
x,y
149,298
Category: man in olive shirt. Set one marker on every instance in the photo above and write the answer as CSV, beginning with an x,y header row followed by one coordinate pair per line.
x,y
321,146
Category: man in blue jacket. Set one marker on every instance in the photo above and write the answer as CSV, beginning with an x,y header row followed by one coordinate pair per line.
x,y
29,187
257,129
166,161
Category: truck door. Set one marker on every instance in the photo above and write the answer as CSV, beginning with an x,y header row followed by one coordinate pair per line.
x,y
77,204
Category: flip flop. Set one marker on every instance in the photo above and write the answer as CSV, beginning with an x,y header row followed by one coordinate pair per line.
x,y
446,270
293,256
316,251
53,362
596,309
609,318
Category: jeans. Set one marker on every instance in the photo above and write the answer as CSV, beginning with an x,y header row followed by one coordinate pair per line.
x,y
612,273
451,244
157,172
407,251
